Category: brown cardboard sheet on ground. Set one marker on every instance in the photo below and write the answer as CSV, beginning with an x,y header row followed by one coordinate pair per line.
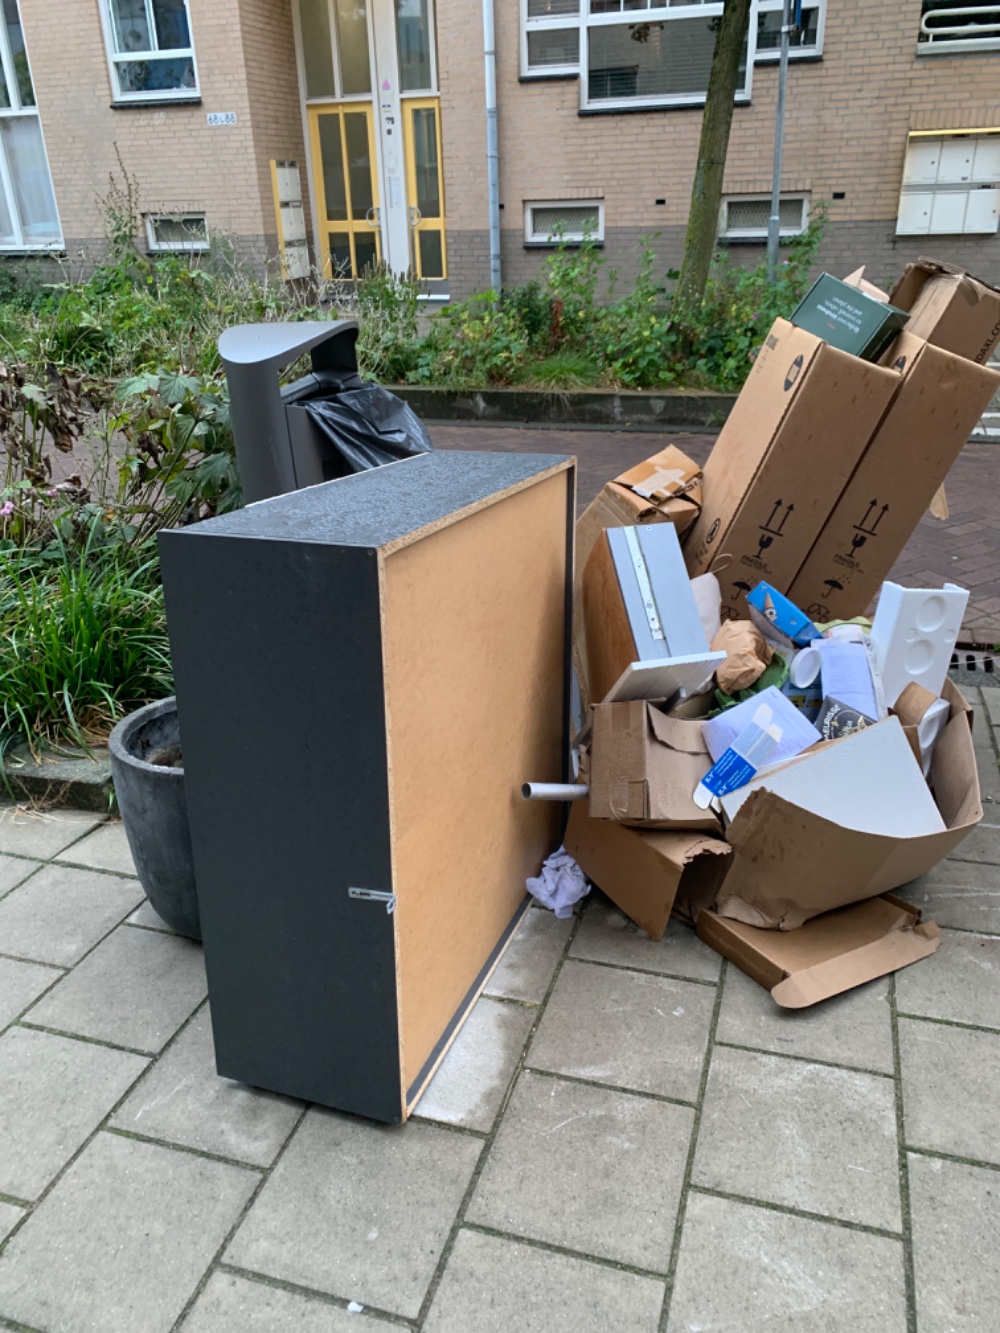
x,y
788,448
644,767
643,871
950,308
829,954
790,864
940,399
665,488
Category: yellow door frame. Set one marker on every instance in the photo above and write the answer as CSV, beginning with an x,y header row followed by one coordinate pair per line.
x,y
418,223
350,225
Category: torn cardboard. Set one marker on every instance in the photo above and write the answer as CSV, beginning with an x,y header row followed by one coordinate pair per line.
x,y
829,954
644,767
950,308
940,399
644,871
791,864
785,453
665,488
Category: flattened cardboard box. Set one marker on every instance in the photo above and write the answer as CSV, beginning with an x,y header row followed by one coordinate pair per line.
x,y
670,483
642,871
644,767
940,399
787,450
790,864
829,954
950,308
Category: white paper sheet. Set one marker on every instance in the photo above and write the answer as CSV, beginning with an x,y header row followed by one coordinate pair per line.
x,y
797,734
846,675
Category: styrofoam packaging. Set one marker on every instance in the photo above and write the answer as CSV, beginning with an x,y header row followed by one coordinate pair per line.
x,y
914,633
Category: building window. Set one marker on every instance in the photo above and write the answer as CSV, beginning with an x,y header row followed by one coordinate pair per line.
x,y
177,231
650,60
745,217
807,44
951,185
550,222
29,219
948,27
150,50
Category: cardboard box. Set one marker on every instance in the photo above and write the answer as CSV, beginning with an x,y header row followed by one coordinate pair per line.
x,y
950,308
644,767
643,872
846,316
940,399
830,953
787,450
665,488
790,864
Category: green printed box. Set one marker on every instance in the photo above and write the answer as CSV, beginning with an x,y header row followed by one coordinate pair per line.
x,y
847,318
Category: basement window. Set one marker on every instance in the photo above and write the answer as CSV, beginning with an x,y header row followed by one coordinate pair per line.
x,y
177,231
745,217
573,221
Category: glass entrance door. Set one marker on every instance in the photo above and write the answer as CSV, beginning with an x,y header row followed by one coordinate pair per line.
x,y
424,185
346,184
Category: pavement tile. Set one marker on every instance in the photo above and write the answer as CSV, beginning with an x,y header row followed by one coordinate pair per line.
x,y
628,1029
499,1286
772,1271
983,843
587,1168
961,982
950,1081
129,1229
144,915
359,1210
526,968
60,913
470,1083
183,1100
9,1218
991,699
961,894
852,1029
55,1092
135,989
800,1135
20,984
608,936
955,1211
13,871
105,849
42,835
233,1304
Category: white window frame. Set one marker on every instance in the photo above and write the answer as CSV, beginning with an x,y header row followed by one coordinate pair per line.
x,y
986,182
930,47
582,19
569,238
794,52
193,246
338,94
16,111
116,58
759,234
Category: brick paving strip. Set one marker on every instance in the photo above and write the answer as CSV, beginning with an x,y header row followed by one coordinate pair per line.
x,y
964,548
625,1135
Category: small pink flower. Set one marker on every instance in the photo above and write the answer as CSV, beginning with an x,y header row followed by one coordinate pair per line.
x,y
8,508
52,492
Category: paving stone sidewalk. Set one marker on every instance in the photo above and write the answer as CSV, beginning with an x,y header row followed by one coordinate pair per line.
x,y
625,1135
964,548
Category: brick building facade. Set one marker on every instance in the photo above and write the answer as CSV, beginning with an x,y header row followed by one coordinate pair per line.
x,y
599,117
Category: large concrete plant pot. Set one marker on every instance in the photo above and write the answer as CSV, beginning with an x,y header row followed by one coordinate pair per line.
x,y
149,783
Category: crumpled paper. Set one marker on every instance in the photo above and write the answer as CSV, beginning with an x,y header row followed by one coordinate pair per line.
x,y
560,884
747,654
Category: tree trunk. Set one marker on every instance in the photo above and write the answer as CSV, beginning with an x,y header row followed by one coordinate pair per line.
x,y
706,194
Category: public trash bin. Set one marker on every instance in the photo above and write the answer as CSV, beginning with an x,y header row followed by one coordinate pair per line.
x,y
326,424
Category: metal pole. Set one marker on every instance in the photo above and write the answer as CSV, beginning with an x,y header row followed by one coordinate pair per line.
x,y
774,221
492,143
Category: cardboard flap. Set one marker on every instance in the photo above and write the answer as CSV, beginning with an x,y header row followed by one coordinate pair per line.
x,y
677,733
668,473
897,949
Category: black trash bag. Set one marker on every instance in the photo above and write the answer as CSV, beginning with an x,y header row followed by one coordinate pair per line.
x,y
365,427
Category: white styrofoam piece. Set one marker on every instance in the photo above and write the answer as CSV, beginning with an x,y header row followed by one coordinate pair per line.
x,y
797,732
869,782
914,633
929,728
663,677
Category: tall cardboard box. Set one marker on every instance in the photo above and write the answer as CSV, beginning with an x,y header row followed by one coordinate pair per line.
x,y
940,399
950,308
787,450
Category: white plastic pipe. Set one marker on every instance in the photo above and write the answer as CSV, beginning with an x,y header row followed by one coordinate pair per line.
x,y
553,791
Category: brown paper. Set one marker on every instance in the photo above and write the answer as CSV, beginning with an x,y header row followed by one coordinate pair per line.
x,y
747,654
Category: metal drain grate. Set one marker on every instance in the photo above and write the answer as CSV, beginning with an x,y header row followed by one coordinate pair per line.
x,y
974,658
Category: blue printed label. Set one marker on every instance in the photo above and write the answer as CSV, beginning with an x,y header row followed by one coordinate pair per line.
x,y
729,772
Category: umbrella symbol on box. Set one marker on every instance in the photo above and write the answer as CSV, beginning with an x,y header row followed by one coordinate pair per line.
x,y
741,587
832,585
